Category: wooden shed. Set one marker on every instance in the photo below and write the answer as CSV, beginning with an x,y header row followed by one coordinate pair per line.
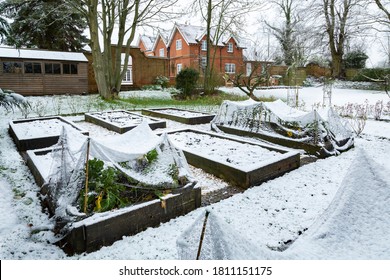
x,y
40,72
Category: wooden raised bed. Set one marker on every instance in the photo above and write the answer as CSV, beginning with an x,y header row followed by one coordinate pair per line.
x,y
121,121
43,136
311,149
103,229
196,118
242,176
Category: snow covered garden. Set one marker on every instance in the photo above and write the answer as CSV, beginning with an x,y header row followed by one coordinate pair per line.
x,y
333,208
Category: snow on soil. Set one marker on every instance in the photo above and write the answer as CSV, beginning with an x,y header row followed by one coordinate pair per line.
x,y
181,113
240,155
272,215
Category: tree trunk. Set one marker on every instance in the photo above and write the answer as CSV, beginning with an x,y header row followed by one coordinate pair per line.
x,y
337,66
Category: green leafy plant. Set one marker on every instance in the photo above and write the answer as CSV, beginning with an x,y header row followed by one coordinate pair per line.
x,y
104,191
186,81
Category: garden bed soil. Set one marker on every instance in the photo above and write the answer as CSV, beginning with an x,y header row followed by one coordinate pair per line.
x,y
183,116
121,121
36,133
201,153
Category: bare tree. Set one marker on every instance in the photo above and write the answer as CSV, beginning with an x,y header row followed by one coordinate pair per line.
x,y
223,18
342,21
286,33
386,12
248,84
118,20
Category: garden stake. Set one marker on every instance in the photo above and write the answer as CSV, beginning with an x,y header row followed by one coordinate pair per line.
x,y
202,234
86,178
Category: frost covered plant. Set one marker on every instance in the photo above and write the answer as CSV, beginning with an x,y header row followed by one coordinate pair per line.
x,y
359,119
73,104
378,109
162,81
57,104
39,108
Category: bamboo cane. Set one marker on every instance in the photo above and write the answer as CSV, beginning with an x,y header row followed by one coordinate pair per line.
x,y
202,234
86,178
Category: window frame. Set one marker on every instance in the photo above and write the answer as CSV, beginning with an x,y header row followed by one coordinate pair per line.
x,y
34,67
179,67
12,68
70,71
179,44
161,52
52,72
203,45
230,47
230,68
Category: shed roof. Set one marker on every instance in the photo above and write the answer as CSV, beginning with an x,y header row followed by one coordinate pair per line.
x,y
8,52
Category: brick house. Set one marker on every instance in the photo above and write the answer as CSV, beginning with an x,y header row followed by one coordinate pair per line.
x,y
187,47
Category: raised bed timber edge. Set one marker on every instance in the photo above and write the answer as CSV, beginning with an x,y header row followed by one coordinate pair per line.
x,y
39,138
311,149
121,121
243,177
194,118
103,229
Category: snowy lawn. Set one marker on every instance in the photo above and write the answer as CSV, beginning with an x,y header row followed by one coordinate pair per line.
x,y
272,215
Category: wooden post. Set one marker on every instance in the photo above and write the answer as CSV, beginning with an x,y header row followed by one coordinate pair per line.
x,y
86,178
202,235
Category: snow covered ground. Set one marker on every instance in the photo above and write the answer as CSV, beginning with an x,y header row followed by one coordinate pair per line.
x,y
272,216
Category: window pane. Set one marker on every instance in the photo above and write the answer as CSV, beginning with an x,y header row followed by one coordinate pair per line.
x,y
65,68
56,68
28,67
12,67
48,68
73,68
37,68
204,45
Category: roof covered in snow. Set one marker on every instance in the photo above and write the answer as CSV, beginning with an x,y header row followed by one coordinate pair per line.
x,y
148,41
8,52
193,34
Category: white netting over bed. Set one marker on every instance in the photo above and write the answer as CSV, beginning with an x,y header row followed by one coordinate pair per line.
x,y
219,242
144,160
276,118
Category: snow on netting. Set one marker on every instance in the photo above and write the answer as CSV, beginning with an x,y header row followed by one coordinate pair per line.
x,y
147,161
278,119
220,241
356,224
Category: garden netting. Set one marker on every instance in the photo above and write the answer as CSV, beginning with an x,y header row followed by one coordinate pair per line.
x,y
218,241
323,127
144,160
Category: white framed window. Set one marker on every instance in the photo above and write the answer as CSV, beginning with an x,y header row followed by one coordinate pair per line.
x,y
178,44
203,61
248,69
161,53
128,78
178,68
204,45
230,68
230,47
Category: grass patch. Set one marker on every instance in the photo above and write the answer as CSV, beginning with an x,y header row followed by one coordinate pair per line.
x,y
204,100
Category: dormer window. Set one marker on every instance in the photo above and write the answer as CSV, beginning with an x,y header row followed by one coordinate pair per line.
x,y
204,45
230,47
178,44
